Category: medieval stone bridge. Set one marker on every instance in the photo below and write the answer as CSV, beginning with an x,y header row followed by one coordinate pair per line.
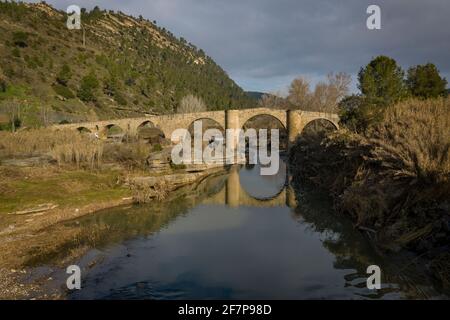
x,y
294,121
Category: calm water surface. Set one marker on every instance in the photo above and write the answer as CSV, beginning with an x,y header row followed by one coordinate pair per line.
x,y
234,236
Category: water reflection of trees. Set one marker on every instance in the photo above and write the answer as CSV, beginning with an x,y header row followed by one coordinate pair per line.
x,y
354,252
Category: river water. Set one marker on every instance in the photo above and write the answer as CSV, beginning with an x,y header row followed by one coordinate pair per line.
x,y
237,235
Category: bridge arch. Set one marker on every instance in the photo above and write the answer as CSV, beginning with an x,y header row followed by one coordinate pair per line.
x,y
112,131
146,124
318,126
83,130
207,123
268,121
245,115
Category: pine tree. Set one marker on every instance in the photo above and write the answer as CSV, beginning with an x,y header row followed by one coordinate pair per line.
x,y
425,82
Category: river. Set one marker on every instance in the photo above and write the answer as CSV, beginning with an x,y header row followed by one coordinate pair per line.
x,y
238,235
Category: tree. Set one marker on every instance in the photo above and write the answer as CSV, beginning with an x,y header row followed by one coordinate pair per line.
x,y
64,75
356,114
300,93
89,84
425,82
326,94
381,82
191,104
274,101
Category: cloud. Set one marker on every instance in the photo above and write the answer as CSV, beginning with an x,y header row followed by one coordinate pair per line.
x,y
263,44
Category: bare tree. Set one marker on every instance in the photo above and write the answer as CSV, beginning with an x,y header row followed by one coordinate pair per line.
x,y
300,93
326,94
273,100
191,104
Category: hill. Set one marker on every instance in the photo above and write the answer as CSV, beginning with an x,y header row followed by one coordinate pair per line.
x,y
255,94
125,67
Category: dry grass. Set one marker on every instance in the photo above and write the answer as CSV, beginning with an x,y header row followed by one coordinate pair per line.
x,y
415,138
65,146
131,155
395,179
144,193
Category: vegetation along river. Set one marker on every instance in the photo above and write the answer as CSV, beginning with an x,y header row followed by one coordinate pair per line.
x,y
238,235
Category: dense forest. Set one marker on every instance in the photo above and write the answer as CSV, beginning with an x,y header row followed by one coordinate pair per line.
x,y
115,66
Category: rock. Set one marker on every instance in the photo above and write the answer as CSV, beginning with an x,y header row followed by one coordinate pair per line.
x,y
28,162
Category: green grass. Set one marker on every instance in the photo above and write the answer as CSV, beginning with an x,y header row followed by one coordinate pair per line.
x,y
67,189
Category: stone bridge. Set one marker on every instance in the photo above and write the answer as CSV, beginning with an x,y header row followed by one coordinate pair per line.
x,y
294,121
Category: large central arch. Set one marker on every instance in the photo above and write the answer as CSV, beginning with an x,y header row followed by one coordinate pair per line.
x,y
269,122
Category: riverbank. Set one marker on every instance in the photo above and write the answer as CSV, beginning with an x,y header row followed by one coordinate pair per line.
x,y
393,181
36,198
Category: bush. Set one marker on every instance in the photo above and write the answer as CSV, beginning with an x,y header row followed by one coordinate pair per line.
x,y
357,115
88,86
64,75
131,155
120,98
63,91
20,39
16,52
157,148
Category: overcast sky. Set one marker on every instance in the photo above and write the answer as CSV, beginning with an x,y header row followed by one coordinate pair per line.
x,y
264,44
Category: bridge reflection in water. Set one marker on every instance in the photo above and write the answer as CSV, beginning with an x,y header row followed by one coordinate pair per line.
x,y
234,195
196,245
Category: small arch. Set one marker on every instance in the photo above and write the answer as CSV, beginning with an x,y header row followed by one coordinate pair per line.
x,y
207,123
317,128
113,131
146,124
83,130
149,132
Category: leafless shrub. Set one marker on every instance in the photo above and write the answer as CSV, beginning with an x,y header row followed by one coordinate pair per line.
x,y
132,155
274,100
326,94
191,104
144,193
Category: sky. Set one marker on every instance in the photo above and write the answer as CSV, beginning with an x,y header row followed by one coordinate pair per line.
x,y
264,44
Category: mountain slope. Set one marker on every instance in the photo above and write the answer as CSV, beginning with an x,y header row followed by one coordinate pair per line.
x,y
126,67
255,94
